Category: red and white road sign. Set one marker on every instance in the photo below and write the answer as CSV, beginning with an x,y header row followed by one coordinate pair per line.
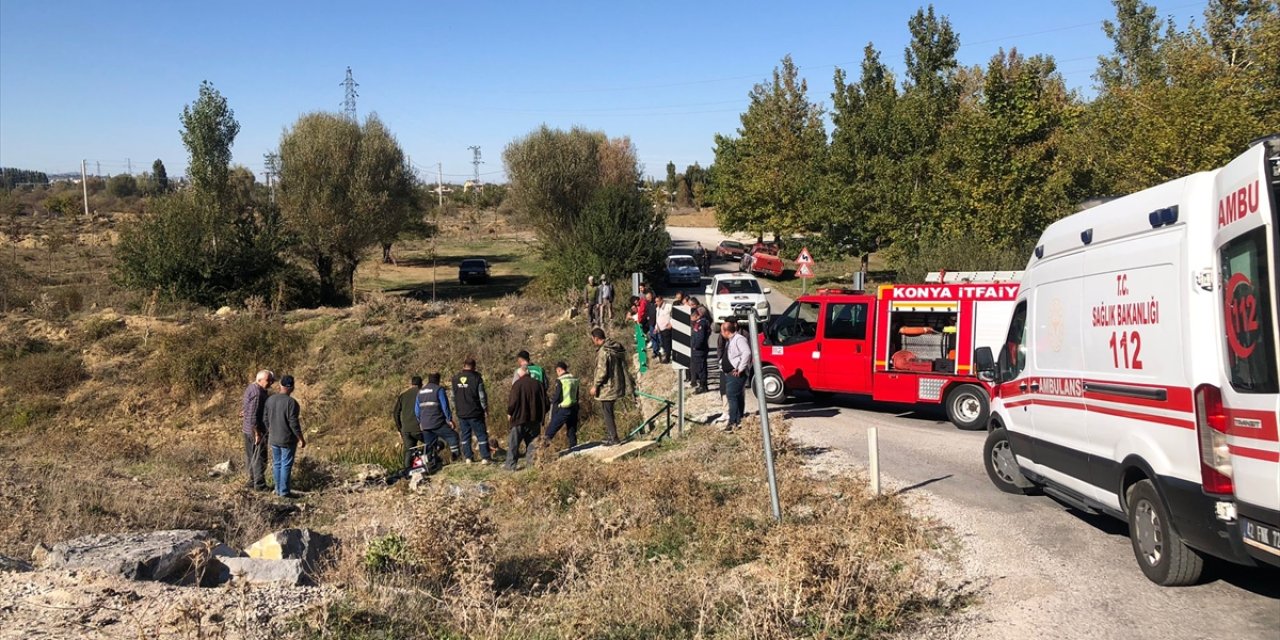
x,y
804,257
805,271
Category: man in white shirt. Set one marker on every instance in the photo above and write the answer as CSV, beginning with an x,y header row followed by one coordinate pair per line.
x,y
664,326
735,364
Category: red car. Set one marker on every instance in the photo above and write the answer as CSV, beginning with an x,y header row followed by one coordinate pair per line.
x,y
730,250
762,263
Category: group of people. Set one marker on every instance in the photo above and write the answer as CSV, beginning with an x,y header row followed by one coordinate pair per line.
x,y
424,416
652,312
270,421
597,301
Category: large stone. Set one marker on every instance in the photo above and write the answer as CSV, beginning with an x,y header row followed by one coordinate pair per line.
x,y
259,571
291,544
168,556
13,564
220,469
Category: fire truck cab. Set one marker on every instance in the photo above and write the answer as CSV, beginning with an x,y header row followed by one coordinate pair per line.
x,y
907,343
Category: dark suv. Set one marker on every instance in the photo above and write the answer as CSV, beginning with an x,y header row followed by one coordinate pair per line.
x,y
473,270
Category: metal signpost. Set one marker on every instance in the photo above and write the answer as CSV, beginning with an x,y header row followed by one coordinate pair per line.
x,y
681,356
764,417
805,271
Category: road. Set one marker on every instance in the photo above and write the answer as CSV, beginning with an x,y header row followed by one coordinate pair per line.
x,y
1043,570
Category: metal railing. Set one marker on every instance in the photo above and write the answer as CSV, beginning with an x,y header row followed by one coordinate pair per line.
x,y
651,423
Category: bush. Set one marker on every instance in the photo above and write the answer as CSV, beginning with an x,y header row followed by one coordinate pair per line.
x,y
958,252
211,353
386,553
43,372
99,327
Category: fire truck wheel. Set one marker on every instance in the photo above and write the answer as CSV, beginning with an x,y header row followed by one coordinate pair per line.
x,y
1002,467
968,408
1161,553
775,390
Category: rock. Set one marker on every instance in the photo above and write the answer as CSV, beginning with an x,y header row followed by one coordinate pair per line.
x,y
223,312
549,341
291,544
259,571
14,565
160,555
478,490
366,475
417,482
39,553
220,469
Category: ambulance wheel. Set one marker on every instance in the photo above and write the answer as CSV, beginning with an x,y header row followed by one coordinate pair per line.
x,y
775,389
1164,558
1002,467
967,407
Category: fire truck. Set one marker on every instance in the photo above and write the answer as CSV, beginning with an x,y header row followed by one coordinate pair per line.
x,y
906,343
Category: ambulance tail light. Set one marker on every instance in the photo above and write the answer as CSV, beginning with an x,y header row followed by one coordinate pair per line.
x,y
1211,426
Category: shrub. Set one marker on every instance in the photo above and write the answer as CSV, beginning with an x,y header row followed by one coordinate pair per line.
x,y
99,327
44,372
386,553
211,353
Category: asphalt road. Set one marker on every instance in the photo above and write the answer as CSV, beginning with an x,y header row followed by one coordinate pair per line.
x,y
1041,569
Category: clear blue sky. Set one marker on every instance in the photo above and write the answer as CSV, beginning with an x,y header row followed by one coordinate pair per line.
x,y
106,81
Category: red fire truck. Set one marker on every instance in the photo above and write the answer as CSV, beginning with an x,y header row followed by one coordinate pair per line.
x,y
907,343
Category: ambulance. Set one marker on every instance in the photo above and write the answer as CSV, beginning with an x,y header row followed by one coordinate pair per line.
x,y
906,343
1138,376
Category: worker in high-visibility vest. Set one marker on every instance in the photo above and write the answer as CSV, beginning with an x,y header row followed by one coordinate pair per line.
x,y
564,405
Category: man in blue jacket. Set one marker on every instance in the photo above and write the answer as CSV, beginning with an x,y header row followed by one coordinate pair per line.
x,y
435,419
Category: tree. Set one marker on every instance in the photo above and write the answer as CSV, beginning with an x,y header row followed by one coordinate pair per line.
x,y
768,176
671,181
862,200
1136,37
122,186
558,180
209,129
161,176
343,188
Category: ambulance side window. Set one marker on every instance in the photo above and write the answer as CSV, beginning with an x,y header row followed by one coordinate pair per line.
x,y
846,321
1013,357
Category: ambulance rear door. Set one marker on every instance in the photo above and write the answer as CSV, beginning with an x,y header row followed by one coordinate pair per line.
x,y
1246,242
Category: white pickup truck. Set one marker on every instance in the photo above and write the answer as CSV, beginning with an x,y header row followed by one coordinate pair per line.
x,y
734,294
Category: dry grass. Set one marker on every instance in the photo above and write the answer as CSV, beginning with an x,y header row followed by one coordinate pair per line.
x,y
674,544
705,217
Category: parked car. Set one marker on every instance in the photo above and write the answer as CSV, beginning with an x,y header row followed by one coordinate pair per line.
x,y
730,250
683,269
473,270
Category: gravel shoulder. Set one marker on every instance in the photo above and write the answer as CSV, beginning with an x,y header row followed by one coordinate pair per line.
x,y
1038,568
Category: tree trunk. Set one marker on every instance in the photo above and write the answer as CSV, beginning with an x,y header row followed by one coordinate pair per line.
x,y
386,254
324,269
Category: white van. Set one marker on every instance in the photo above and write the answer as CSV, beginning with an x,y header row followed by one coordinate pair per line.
x,y
1138,377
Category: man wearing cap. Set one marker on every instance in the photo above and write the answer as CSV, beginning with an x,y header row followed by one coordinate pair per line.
x,y
255,430
284,434
406,418
472,404
435,419
564,405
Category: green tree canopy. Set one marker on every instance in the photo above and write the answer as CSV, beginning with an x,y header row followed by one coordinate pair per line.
x,y
343,188
768,175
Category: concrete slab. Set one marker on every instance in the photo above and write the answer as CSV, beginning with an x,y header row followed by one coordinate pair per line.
x,y
617,452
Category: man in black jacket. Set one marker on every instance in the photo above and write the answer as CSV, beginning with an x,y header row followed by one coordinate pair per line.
x,y
471,404
436,420
284,434
406,418
701,334
526,408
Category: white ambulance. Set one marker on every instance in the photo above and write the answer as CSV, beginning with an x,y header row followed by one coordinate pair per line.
x,y
1139,375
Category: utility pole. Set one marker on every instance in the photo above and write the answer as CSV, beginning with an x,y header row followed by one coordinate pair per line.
x,y
436,231
476,162
98,170
349,96
129,161
440,182
84,184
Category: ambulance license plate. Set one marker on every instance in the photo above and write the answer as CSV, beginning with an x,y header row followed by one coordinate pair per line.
x,y
1260,535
